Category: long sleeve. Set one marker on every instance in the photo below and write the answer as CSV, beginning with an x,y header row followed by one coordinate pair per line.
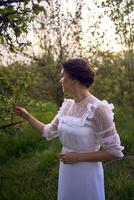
x,y
107,135
50,130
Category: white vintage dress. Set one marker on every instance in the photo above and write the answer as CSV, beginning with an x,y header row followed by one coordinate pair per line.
x,y
84,127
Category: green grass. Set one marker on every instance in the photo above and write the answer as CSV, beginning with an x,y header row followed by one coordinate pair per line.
x,y
29,163
119,180
33,178
125,127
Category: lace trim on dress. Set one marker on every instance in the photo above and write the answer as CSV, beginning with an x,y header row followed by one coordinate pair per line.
x,y
107,130
92,107
107,139
80,121
112,144
64,106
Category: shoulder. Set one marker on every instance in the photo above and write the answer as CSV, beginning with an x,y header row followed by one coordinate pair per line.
x,y
67,102
65,105
100,108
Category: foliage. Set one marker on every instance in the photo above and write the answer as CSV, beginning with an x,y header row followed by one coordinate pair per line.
x,y
15,17
14,82
119,180
68,41
124,122
110,76
28,151
27,140
49,71
121,14
60,36
25,179
27,86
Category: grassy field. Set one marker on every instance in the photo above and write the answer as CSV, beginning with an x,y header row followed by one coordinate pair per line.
x,y
29,164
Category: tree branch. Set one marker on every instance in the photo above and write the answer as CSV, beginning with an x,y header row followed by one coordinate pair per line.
x,y
4,3
12,124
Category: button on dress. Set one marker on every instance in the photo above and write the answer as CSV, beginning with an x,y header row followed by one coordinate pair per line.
x,y
82,127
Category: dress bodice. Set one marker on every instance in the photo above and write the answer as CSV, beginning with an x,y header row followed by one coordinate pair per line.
x,y
85,126
76,131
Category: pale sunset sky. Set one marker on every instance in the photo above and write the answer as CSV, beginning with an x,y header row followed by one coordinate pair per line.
x,y
90,17
90,14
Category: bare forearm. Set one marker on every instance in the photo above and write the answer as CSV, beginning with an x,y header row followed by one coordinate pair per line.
x,y
35,123
74,157
22,112
95,156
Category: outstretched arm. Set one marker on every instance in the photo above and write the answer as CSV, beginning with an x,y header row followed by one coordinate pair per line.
x,y
27,116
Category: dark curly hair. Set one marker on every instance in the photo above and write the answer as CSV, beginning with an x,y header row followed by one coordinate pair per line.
x,y
80,70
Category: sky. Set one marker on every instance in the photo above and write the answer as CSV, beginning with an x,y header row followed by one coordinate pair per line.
x,y
90,16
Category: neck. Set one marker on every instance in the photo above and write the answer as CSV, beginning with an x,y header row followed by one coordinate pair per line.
x,y
81,94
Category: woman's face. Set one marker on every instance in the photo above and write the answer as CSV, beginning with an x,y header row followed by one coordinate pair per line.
x,y
66,82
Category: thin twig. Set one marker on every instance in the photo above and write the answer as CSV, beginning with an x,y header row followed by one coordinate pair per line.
x,y
11,124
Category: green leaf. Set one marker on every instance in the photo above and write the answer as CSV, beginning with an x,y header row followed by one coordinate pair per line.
x,y
2,11
37,9
11,17
2,40
18,33
10,8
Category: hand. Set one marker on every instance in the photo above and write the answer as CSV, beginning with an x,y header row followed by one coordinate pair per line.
x,y
21,112
69,158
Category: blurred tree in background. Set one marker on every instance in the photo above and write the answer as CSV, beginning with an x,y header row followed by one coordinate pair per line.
x,y
119,66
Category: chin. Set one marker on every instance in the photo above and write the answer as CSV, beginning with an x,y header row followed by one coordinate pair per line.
x,y
65,91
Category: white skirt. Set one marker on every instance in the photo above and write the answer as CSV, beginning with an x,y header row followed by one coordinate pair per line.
x,y
81,181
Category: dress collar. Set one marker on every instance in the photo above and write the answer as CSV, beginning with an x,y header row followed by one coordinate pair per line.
x,y
87,99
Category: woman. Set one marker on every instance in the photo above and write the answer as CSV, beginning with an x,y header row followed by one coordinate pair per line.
x,y
84,124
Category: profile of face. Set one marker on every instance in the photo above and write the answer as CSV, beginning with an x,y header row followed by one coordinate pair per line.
x,y
67,82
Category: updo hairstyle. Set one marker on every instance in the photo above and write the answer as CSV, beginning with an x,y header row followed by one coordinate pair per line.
x,y
80,70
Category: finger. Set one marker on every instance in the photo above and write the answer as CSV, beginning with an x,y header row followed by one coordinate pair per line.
x,y
62,160
17,107
62,154
65,162
16,110
62,157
